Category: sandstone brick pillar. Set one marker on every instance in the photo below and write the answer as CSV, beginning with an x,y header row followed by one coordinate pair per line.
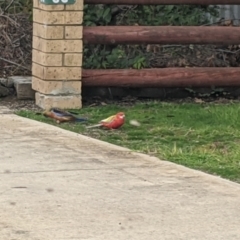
x,y
57,54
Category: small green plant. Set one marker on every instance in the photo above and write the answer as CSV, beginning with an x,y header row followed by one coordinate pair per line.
x,y
180,15
97,15
103,57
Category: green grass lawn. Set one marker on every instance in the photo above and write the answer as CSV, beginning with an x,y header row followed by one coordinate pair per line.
x,y
201,136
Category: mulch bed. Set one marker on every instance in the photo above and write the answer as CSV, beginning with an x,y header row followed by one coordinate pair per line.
x,y
15,45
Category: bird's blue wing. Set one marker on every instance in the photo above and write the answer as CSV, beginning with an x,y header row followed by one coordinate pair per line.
x,y
61,113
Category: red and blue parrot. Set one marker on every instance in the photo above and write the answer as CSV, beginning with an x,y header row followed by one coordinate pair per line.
x,y
112,122
61,116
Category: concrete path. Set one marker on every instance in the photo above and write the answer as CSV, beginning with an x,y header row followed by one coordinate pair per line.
x,y
58,185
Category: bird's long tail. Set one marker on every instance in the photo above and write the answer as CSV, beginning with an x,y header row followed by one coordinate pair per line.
x,y
96,125
79,119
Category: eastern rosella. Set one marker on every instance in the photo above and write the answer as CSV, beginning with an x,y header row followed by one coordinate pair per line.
x,y
62,116
112,122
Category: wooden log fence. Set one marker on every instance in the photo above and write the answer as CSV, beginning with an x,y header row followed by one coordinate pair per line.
x,y
162,77
163,2
161,35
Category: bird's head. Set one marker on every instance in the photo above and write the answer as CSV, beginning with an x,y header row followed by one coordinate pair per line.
x,y
121,115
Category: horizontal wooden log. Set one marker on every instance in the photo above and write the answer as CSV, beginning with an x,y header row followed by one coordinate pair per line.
x,y
163,2
162,77
161,35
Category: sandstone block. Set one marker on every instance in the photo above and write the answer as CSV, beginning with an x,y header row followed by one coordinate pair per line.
x,y
57,46
64,102
23,87
73,59
73,32
56,73
6,82
56,87
58,17
48,32
47,59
